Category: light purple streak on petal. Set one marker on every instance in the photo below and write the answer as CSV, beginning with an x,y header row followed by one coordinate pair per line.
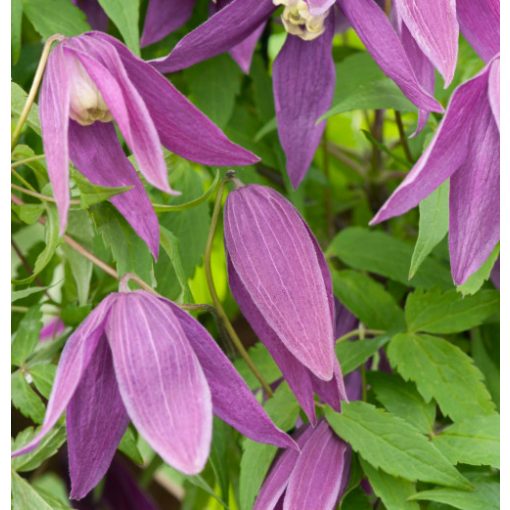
x,y
479,23
220,33
474,199
161,382
445,154
278,478
494,89
77,353
495,275
424,72
383,43
96,17
52,329
433,25
122,492
177,120
96,152
321,472
353,385
297,376
318,7
232,400
102,62
276,261
243,52
163,17
96,422
303,86
54,104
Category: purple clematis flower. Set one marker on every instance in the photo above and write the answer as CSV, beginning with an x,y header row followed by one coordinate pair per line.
x,y
165,16
53,329
465,149
140,357
92,80
304,73
279,277
314,478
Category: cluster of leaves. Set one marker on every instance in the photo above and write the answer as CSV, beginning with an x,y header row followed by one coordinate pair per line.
x,y
425,435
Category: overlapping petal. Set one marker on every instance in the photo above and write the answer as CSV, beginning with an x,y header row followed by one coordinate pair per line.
x,y
163,17
433,25
96,152
232,400
445,154
76,356
303,85
96,16
494,89
104,66
381,40
320,473
54,104
221,32
479,23
160,379
178,130
96,421
275,260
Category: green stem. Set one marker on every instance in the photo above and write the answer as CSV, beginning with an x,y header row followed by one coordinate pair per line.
x,y
34,88
362,331
27,160
355,333
403,137
148,473
216,300
40,196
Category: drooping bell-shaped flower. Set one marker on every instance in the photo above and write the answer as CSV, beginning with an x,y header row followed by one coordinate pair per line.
x,y
53,329
93,79
141,358
465,148
279,277
304,72
315,477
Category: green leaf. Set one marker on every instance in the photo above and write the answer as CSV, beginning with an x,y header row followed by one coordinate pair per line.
x,y
353,354
402,399
214,85
443,372
129,251
356,500
257,457
125,15
27,336
393,491
485,496
379,253
433,226
43,376
477,279
18,99
191,226
172,282
51,17
16,295
48,447
435,311
91,194
24,496
51,242
129,447
367,300
16,18
473,441
361,85
28,213
25,399
265,365
391,444
487,366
